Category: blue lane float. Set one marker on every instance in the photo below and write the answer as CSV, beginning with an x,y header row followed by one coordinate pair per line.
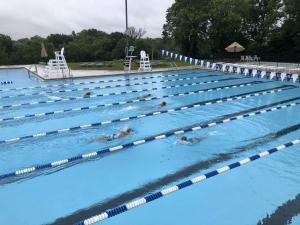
x,y
104,87
93,82
155,113
108,94
97,154
27,116
6,82
157,195
230,68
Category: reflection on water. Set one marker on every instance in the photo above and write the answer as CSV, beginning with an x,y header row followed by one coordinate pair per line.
x,y
284,214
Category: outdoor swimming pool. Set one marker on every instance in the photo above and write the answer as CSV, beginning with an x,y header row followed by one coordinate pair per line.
x,y
56,171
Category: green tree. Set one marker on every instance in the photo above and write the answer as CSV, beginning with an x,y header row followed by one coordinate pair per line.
x,y
187,25
6,46
204,28
261,22
59,40
118,42
226,18
27,51
285,42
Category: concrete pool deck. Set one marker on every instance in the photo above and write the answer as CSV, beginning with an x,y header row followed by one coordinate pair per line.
x,y
39,71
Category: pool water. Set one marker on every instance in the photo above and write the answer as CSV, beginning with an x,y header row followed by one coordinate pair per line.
x,y
254,193
19,78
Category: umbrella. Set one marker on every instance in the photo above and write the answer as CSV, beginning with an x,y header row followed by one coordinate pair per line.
x,y
235,47
43,51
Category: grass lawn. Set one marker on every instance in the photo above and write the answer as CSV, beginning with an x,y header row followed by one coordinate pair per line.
x,y
118,65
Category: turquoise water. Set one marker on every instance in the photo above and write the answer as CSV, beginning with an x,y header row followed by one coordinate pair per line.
x,y
69,194
296,220
19,77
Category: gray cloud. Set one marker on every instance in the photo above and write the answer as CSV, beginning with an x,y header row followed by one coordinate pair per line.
x,y
25,18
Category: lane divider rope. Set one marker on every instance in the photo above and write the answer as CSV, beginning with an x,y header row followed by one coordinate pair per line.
x,y
103,87
157,195
237,69
36,115
115,93
91,82
102,123
97,154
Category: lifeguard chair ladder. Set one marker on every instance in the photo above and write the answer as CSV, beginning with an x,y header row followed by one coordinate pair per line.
x,y
145,64
58,67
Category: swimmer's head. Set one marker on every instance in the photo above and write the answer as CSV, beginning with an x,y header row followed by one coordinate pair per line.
x,y
163,104
129,130
184,138
87,94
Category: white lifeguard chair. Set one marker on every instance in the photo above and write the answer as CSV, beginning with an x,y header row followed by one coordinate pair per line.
x,y
58,67
145,64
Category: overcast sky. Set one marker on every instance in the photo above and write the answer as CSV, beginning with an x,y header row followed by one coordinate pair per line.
x,y
25,18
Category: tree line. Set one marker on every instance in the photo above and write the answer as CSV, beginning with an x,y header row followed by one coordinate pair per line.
x,y
203,28
85,46
199,28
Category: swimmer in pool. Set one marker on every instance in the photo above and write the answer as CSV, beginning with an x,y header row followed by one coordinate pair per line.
x,y
118,135
87,94
186,140
145,96
162,104
123,133
142,97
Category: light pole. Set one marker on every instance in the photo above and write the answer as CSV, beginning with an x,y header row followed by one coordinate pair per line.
x,y
126,13
126,32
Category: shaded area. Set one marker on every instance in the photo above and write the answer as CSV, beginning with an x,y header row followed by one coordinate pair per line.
x,y
284,214
185,172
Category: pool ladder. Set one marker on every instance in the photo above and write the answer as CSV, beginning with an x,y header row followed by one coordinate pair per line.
x,y
173,65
